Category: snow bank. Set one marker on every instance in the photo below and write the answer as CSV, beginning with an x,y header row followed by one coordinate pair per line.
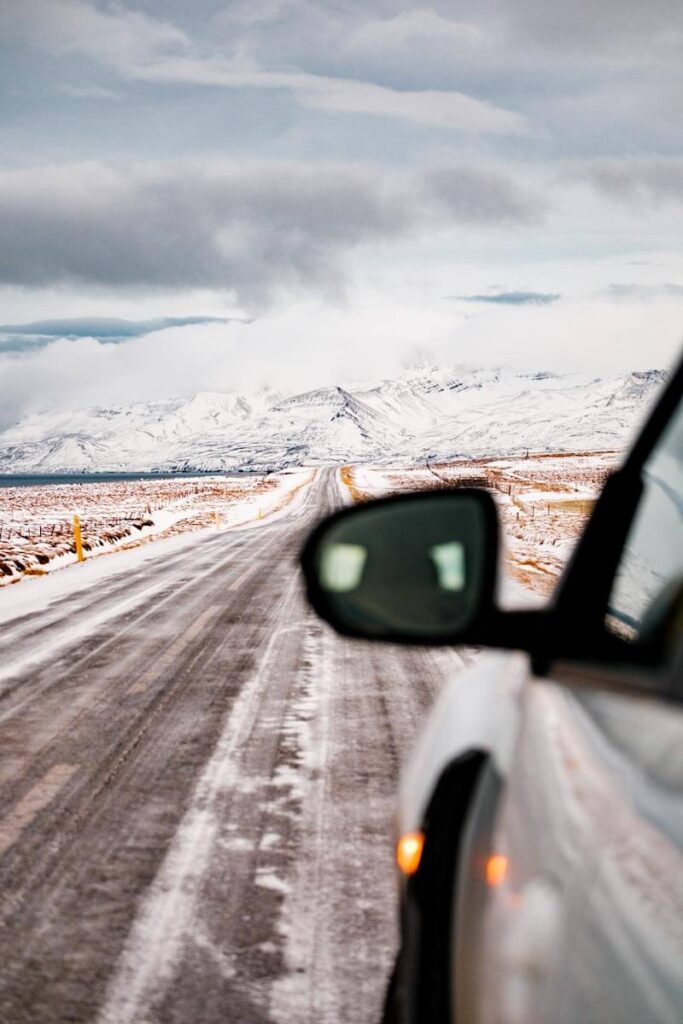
x,y
36,522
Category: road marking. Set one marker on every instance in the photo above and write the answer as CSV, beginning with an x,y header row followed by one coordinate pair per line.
x,y
165,661
35,801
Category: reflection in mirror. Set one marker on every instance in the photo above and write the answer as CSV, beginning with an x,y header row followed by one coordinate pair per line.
x,y
341,567
414,567
449,560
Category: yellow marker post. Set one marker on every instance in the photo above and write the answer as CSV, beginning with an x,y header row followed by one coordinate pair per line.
x,y
79,540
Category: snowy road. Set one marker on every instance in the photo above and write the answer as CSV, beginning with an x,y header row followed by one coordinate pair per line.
x,y
197,781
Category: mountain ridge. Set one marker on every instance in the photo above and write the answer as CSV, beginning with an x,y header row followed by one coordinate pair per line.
x,y
432,412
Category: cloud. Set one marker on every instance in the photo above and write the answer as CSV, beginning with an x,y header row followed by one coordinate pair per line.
x,y
646,181
118,37
301,347
255,231
89,92
629,27
251,230
246,13
446,109
600,77
110,330
371,340
437,109
479,196
644,292
401,31
513,298
143,48
502,34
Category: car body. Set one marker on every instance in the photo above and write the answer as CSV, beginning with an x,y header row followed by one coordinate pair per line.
x,y
546,788
581,793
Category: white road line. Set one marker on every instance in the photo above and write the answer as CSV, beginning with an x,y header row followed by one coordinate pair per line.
x,y
167,913
166,660
35,801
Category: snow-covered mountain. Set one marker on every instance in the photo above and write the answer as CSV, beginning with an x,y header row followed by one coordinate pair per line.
x,y
439,413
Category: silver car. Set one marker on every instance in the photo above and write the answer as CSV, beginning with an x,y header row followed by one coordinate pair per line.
x,y
541,817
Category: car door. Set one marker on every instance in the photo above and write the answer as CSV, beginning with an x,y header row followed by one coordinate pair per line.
x,y
628,962
524,874
583,918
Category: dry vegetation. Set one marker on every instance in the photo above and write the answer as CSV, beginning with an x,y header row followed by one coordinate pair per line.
x,y
348,480
36,522
543,500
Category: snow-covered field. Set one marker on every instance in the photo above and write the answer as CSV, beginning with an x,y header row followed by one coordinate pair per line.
x,y
444,425
36,522
543,501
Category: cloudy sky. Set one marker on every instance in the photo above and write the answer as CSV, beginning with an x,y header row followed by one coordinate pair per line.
x,y
223,195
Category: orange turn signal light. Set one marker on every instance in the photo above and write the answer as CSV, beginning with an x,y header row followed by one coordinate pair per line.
x,y
409,852
496,869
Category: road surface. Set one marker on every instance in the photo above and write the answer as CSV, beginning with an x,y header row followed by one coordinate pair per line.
x,y
197,781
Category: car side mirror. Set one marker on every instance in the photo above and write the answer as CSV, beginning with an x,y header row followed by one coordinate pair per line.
x,y
417,568
421,568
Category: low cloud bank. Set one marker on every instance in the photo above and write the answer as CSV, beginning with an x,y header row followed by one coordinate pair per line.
x,y
109,330
312,345
251,231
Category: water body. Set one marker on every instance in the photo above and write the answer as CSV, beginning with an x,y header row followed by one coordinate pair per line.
x,y
11,480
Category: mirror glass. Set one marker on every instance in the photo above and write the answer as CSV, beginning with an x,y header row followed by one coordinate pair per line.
x,y
412,567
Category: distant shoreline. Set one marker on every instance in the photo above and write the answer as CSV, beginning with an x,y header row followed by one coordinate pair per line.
x,y
43,479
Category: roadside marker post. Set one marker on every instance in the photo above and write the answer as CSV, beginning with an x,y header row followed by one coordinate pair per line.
x,y
78,539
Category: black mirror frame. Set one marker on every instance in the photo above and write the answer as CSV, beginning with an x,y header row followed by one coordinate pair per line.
x,y
479,627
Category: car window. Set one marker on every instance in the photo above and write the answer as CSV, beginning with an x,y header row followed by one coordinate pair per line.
x,y
647,595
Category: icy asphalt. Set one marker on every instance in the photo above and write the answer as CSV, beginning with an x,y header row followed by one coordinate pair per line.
x,y
197,785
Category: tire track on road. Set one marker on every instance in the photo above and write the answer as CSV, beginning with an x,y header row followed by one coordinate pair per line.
x,y
223,850
125,620
53,882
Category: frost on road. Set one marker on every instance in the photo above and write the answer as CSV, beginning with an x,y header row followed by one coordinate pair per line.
x,y
197,784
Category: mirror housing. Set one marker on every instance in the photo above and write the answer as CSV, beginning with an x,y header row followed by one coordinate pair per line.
x,y
451,537
414,568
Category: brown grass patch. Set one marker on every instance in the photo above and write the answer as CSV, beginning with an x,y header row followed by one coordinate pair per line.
x,y
349,481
